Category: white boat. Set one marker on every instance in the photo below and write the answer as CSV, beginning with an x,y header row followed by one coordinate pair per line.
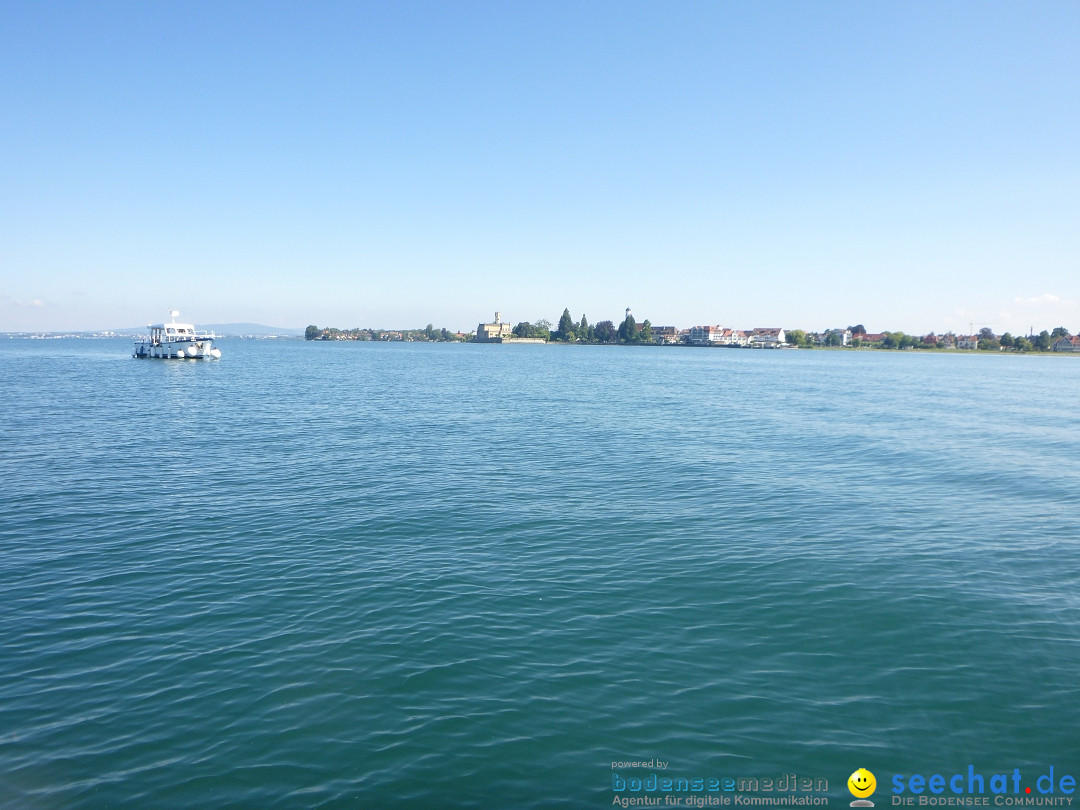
x,y
177,340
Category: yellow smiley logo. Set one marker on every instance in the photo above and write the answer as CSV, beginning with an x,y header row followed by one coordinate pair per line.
x,y
861,783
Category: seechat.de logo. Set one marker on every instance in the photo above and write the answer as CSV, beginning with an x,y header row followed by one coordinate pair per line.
x,y
862,784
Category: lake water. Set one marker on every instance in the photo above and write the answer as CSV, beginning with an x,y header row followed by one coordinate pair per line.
x,y
411,575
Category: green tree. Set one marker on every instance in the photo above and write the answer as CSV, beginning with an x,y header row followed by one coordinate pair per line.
x,y
1023,344
1007,340
584,331
604,332
1042,341
566,327
312,332
524,330
858,329
542,329
646,332
429,332
797,337
1059,332
628,332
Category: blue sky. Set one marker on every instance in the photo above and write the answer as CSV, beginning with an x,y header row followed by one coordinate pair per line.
x,y
906,165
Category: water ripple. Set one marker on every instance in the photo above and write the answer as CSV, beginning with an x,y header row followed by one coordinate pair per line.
x,y
358,582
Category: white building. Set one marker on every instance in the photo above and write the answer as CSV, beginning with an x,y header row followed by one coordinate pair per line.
x,y
767,338
706,335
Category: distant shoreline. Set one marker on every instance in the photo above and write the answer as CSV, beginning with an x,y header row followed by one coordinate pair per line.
x,y
45,335
630,332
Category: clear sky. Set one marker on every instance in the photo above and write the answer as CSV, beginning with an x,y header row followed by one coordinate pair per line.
x,y
907,165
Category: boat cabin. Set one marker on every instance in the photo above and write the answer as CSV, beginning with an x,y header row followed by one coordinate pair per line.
x,y
171,332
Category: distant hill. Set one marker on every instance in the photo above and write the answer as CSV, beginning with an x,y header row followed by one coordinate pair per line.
x,y
228,330
221,329
255,329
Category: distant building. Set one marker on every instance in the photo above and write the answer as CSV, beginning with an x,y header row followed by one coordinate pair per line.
x,y
706,335
733,337
948,340
767,337
1069,343
493,332
831,337
970,342
665,334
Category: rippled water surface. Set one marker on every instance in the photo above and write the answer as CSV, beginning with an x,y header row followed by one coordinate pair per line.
x,y
381,575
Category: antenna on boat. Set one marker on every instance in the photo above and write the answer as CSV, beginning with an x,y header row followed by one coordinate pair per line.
x,y
174,313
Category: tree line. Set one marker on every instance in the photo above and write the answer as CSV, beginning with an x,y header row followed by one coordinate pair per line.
x,y
629,332
571,331
987,340
428,334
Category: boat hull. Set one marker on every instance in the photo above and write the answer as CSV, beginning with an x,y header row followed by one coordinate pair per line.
x,y
201,349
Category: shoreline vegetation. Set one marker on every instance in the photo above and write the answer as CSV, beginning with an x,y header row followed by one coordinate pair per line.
x,y
630,332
